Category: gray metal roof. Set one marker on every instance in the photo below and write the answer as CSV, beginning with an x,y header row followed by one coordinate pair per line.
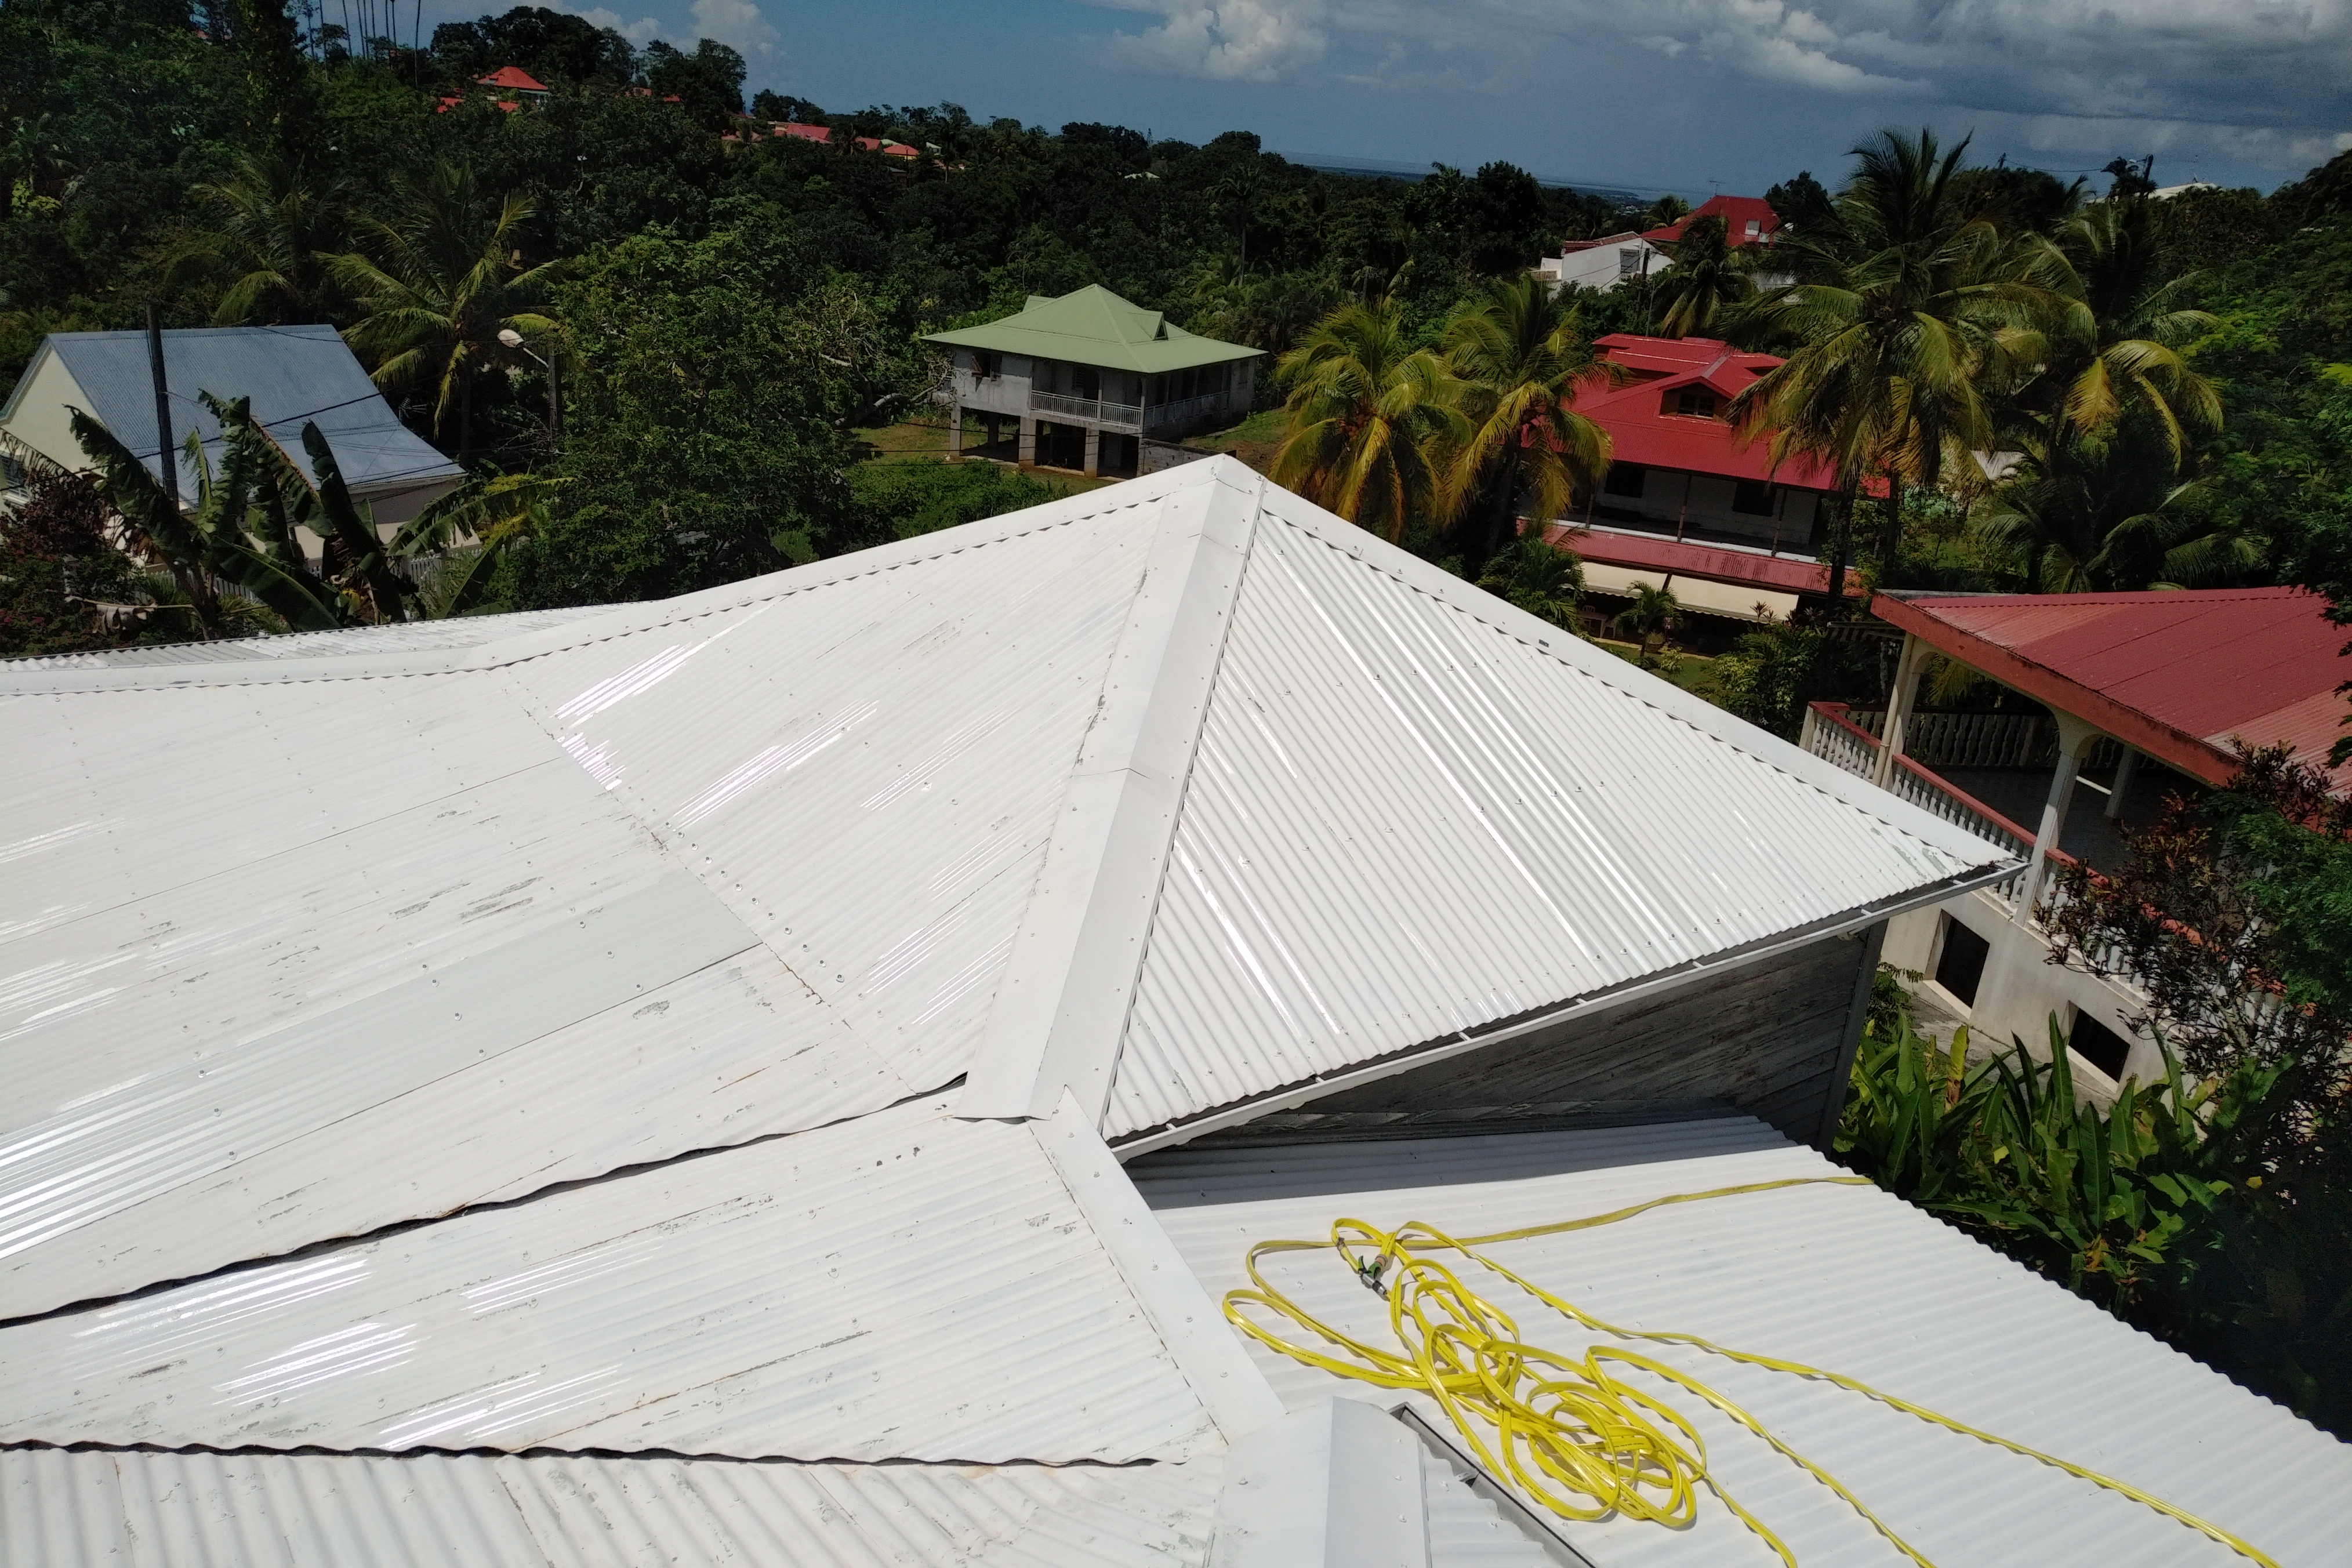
x,y
1848,1279
293,375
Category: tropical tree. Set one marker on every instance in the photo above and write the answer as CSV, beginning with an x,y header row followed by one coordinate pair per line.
x,y
1515,358
1370,420
1897,313
1708,277
1539,577
448,277
1650,618
273,227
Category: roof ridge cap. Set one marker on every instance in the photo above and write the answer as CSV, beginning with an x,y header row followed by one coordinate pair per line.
x,y
1061,1002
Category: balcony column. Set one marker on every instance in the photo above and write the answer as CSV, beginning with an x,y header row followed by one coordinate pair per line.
x,y
1898,708
2126,764
1028,441
955,431
2074,739
1094,451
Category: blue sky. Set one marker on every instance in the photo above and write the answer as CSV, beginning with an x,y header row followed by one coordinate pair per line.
x,y
1685,95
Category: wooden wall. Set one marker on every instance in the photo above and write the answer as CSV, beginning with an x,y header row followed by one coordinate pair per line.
x,y
1766,1040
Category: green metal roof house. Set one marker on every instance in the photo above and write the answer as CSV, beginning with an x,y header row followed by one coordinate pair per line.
x,y
1088,379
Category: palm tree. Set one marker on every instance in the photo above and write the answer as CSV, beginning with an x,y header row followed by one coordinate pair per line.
x,y
1369,419
273,229
450,280
1539,577
1707,277
1895,319
1654,613
2111,352
1517,357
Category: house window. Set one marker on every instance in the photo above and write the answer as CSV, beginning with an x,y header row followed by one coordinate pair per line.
x,y
1696,400
1755,228
2099,1044
1628,260
986,365
1960,968
1624,480
1752,498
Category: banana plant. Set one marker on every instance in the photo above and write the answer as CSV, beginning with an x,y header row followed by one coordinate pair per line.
x,y
495,514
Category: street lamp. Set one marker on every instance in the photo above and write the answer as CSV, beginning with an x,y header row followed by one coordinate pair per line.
x,y
513,340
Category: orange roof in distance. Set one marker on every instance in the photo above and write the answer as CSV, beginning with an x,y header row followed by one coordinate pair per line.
x,y
512,78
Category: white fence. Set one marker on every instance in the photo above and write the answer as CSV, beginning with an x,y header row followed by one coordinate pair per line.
x,y
1981,740
1109,415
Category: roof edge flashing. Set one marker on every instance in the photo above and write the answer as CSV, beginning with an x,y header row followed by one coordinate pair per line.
x,y
1336,1485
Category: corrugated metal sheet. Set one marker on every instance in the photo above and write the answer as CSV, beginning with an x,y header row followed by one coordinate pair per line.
x,y
1849,1278
288,962
905,1285
868,775
411,637
2210,666
134,1509
294,375
1405,821
101,1508
367,950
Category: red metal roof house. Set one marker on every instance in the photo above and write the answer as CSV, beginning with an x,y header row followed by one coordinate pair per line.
x,y
1746,220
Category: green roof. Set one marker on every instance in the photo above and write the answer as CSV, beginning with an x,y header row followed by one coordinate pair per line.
x,y
1095,326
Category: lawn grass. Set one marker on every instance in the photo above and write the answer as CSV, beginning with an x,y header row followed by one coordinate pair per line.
x,y
1695,673
1253,440
923,438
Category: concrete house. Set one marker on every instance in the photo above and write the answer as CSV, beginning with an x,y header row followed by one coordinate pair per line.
x,y
1602,264
294,375
1087,379
2131,698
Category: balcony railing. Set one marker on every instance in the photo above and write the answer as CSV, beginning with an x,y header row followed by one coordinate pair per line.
x,y
1109,415
1831,735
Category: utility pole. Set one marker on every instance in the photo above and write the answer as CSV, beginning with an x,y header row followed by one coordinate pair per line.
x,y
167,461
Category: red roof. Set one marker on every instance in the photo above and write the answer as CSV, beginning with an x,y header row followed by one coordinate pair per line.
x,y
1737,214
513,79
2177,675
1716,563
1645,434
824,133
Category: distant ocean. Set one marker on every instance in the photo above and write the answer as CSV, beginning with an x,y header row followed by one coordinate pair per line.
x,y
1382,169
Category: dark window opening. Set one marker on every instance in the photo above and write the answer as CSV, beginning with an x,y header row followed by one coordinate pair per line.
x,y
1752,498
1696,400
1960,968
987,365
1085,381
1624,480
2099,1046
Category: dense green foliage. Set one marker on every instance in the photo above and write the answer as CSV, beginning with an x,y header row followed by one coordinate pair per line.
x,y
2170,1207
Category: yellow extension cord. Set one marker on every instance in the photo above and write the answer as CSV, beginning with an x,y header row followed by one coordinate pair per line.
x,y
1569,1430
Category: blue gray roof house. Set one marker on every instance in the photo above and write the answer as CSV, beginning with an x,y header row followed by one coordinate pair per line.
x,y
294,375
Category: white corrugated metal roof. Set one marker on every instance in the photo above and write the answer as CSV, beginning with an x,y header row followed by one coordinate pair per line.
x,y
1409,819
904,1285
1847,1279
144,1509
138,1510
668,877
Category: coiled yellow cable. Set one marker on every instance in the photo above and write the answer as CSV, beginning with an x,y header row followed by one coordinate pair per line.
x,y
1566,1430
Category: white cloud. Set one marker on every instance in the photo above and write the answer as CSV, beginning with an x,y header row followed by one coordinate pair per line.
x,y
737,23
644,30
2251,81
1235,40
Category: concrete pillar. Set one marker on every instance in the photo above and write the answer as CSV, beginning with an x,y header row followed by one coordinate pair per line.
x,y
2126,764
1094,451
1028,448
955,433
2074,739
1898,708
